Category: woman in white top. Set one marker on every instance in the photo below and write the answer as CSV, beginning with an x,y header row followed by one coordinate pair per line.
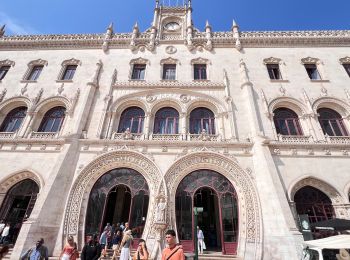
x,y
125,246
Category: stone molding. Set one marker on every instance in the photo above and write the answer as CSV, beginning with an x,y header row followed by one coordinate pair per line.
x,y
249,207
139,60
200,60
333,103
168,84
74,222
7,62
169,60
272,60
345,60
71,61
219,39
288,102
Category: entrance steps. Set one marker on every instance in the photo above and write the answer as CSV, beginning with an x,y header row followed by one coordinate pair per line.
x,y
9,253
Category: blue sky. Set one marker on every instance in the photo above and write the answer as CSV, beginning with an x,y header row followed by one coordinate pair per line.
x,y
89,16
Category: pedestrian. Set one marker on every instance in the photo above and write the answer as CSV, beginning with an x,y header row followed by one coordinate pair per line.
x,y
125,246
172,251
5,234
104,242
92,250
116,244
126,227
70,251
38,252
3,251
122,226
200,237
141,252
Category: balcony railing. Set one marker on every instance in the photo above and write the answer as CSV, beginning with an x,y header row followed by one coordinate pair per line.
x,y
166,137
43,135
7,135
203,137
337,139
295,139
127,136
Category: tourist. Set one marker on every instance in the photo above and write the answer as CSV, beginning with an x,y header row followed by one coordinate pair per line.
x,y
5,234
122,226
125,246
141,252
39,251
200,237
92,250
126,228
104,242
70,251
3,251
116,243
173,251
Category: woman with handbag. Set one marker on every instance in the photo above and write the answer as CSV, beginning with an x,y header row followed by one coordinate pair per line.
x,y
70,251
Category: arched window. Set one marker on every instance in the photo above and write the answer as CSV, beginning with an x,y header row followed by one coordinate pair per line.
x,y
202,118
286,122
331,122
166,121
53,119
314,203
14,120
132,118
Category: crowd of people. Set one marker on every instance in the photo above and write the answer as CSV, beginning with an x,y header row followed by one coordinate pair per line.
x,y
118,238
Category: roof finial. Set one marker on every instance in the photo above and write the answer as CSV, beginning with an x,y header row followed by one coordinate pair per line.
x,y
234,24
189,3
2,30
207,24
110,27
157,3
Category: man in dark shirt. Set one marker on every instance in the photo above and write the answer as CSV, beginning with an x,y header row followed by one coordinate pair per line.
x,y
92,250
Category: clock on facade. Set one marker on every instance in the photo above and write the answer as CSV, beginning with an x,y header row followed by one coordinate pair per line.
x,y
172,26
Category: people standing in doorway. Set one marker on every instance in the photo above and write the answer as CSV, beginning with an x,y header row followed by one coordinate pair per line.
x,y
200,237
173,251
141,252
70,251
126,228
5,234
104,242
92,250
122,226
125,245
38,252
117,238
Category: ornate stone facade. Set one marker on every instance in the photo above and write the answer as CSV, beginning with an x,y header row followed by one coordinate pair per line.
x,y
244,144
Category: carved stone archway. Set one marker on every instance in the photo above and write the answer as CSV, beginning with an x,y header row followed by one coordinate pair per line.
x,y
74,222
336,198
7,183
250,233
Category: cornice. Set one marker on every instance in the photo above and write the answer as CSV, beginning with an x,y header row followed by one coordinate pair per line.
x,y
168,84
219,39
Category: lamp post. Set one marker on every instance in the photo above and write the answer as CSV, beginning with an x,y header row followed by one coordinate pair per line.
x,y
196,210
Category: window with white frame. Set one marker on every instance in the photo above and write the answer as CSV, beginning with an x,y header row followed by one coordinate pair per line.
x,y
312,71
346,64
138,71
5,66
68,70
274,71
314,68
169,71
34,70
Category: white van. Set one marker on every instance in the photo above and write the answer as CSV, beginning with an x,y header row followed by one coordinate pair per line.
x,y
327,248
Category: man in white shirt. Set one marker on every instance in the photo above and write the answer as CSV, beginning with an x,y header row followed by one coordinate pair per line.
x,y
200,236
5,233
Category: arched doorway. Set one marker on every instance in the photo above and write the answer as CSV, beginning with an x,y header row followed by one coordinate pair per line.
x,y
18,205
317,205
120,195
219,220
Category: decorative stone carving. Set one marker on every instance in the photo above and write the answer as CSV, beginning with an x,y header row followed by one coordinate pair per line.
x,y
7,62
24,89
71,61
310,60
324,91
200,61
170,50
38,62
345,60
139,61
3,94
60,89
160,216
93,171
169,60
150,98
127,135
184,98
247,194
272,60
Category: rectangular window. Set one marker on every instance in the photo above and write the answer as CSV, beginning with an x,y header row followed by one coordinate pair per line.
x,y
274,71
138,71
312,71
200,71
69,72
3,71
35,73
346,67
169,71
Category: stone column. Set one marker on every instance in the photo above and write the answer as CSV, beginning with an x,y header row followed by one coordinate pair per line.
x,y
279,227
147,125
183,125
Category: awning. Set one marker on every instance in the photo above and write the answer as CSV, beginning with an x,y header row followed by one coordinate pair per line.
x,y
334,242
335,223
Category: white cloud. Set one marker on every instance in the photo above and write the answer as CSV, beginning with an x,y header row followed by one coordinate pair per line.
x,y
15,27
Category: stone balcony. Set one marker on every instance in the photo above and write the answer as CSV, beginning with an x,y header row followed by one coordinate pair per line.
x,y
338,139
8,135
43,135
295,139
127,136
166,137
